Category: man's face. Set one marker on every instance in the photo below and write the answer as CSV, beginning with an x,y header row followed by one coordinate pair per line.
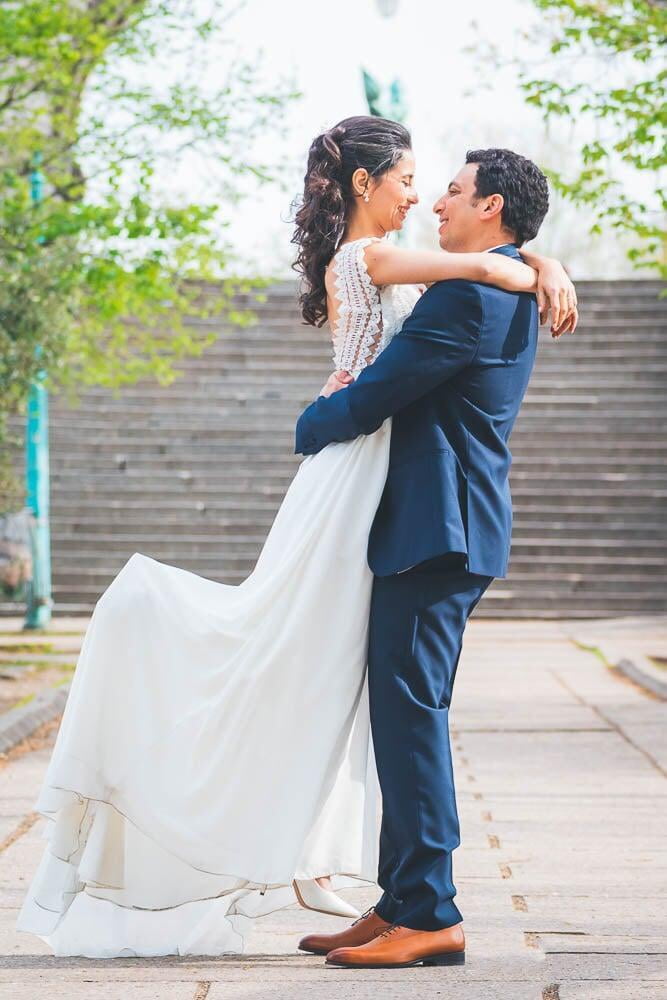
x,y
459,217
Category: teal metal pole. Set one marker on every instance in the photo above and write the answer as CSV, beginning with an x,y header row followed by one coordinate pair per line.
x,y
37,472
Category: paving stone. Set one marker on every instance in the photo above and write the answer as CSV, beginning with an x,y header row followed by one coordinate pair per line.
x,y
399,985
615,967
628,943
588,990
100,989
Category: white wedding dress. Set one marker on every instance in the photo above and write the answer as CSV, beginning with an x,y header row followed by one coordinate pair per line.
x,y
215,744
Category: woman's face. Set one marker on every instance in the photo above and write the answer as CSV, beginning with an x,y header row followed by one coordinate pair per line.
x,y
393,194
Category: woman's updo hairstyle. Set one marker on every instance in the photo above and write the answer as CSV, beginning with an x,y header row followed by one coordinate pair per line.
x,y
374,144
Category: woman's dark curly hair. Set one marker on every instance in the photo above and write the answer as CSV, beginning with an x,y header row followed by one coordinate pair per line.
x,y
374,144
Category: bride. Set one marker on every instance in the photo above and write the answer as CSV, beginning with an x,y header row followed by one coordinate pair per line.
x,y
214,759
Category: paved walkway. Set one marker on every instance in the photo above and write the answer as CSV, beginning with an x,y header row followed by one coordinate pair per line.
x,y
562,870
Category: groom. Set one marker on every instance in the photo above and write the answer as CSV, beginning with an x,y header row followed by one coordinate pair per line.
x,y
453,379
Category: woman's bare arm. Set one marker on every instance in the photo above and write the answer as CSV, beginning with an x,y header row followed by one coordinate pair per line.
x,y
391,265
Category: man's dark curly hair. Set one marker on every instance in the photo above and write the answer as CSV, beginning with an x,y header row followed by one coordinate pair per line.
x,y
523,186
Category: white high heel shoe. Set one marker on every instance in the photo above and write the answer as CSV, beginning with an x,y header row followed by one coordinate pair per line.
x,y
312,896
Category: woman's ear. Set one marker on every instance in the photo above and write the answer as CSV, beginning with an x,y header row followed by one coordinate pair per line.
x,y
360,179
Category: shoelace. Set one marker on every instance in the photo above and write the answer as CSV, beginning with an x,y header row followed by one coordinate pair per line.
x,y
389,930
363,916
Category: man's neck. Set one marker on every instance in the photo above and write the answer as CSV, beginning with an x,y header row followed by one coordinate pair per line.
x,y
479,245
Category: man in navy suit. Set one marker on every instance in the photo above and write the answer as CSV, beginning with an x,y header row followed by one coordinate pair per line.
x,y
453,380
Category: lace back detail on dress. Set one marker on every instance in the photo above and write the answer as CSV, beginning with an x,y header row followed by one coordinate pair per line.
x,y
356,330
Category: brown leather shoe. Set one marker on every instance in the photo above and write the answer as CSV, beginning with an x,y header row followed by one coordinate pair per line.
x,y
399,947
362,930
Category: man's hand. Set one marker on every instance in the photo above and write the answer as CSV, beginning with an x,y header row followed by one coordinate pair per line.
x,y
556,293
337,380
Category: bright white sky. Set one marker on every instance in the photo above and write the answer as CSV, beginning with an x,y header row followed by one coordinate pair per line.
x,y
438,53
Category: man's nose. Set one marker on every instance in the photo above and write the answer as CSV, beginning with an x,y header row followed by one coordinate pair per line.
x,y
439,205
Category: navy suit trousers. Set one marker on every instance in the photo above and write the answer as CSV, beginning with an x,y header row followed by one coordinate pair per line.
x,y
416,631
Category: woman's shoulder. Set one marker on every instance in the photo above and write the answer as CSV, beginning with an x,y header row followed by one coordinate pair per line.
x,y
350,263
355,249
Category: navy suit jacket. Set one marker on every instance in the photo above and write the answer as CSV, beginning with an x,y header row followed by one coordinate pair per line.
x,y
453,379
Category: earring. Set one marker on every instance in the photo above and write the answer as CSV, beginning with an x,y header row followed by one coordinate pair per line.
x,y
366,197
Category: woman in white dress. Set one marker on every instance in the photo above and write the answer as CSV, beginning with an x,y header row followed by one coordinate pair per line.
x,y
214,756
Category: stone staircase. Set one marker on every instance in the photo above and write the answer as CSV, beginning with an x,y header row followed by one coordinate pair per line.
x,y
193,474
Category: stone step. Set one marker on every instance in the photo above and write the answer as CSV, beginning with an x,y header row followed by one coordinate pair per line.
x,y
588,301
251,526
529,588
597,322
291,402
294,362
523,602
606,493
275,336
216,479
518,607
264,501
549,375
592,312
258,465
231,384
126,466
610,572
548,366
250,395
287,409
227,441
313,360
231,465
270,326
640,567
254,524
299,353
632,289
548,371
200,499
240,425
525,447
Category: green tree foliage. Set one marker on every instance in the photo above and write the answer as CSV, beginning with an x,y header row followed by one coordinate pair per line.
x,y
96,277
609,69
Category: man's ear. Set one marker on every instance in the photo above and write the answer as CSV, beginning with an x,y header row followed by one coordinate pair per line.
x,y
493,207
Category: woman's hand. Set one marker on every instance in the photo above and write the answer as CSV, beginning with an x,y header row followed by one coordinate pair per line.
x,y
556,294
337,380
